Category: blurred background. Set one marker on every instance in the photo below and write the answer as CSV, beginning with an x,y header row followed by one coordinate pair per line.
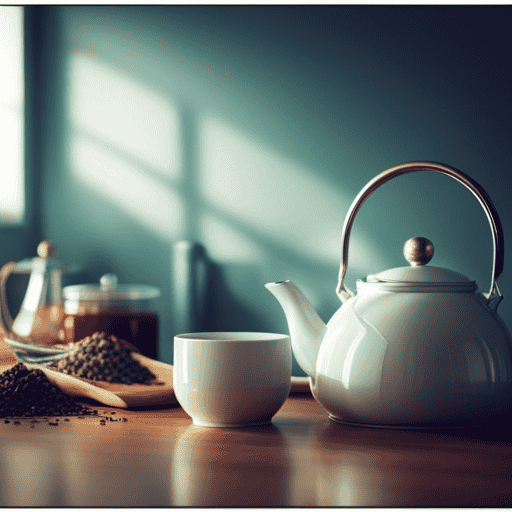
x,y
248,131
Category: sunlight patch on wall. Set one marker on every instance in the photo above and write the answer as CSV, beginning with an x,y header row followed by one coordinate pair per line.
x,y
282,200
130,116
227,244
158,208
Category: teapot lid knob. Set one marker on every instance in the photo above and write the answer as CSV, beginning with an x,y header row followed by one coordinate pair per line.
x,y
418,250
46,249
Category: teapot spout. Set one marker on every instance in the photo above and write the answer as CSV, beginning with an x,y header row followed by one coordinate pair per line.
x,y
306,328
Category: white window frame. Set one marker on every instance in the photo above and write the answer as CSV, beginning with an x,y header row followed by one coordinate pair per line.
x,y
12,118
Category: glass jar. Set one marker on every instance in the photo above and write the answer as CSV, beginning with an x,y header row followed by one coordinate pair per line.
x,y
121,310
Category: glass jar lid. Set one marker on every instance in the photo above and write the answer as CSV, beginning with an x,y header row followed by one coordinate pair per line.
x,y
109,290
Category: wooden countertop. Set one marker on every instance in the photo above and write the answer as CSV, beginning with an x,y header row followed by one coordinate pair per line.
x,y
158,458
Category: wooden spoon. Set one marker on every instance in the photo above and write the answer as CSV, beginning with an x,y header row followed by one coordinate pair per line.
x,y
119,395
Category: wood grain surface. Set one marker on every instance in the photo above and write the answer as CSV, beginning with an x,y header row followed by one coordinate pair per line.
x,y
156,457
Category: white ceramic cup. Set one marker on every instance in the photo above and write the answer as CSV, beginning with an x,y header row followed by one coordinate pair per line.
x,y
232,379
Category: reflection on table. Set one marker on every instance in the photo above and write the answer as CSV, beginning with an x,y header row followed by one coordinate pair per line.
x,y
158,458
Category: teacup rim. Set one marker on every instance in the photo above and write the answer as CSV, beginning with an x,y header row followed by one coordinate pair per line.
x,y
232,336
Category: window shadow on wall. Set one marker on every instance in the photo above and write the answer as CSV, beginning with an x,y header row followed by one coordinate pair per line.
x,y
180,173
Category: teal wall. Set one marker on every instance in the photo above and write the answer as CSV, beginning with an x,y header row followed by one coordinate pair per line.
x,y
250,129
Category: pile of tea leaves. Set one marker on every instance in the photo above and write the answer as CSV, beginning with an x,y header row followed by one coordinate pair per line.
x,y
29,393
104,358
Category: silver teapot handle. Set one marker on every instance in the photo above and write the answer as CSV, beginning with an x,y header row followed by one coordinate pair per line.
x,y
494,294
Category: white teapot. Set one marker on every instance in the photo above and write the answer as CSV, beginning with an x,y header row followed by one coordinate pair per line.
x,y
416,346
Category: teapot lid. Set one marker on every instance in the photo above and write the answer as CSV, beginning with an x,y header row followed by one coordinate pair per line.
x,y
418,277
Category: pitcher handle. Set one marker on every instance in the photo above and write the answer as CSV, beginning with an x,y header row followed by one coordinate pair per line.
x,y
494,294
6,320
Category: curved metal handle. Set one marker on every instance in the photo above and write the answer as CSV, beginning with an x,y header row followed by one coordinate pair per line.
x,y
492,215
6,320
